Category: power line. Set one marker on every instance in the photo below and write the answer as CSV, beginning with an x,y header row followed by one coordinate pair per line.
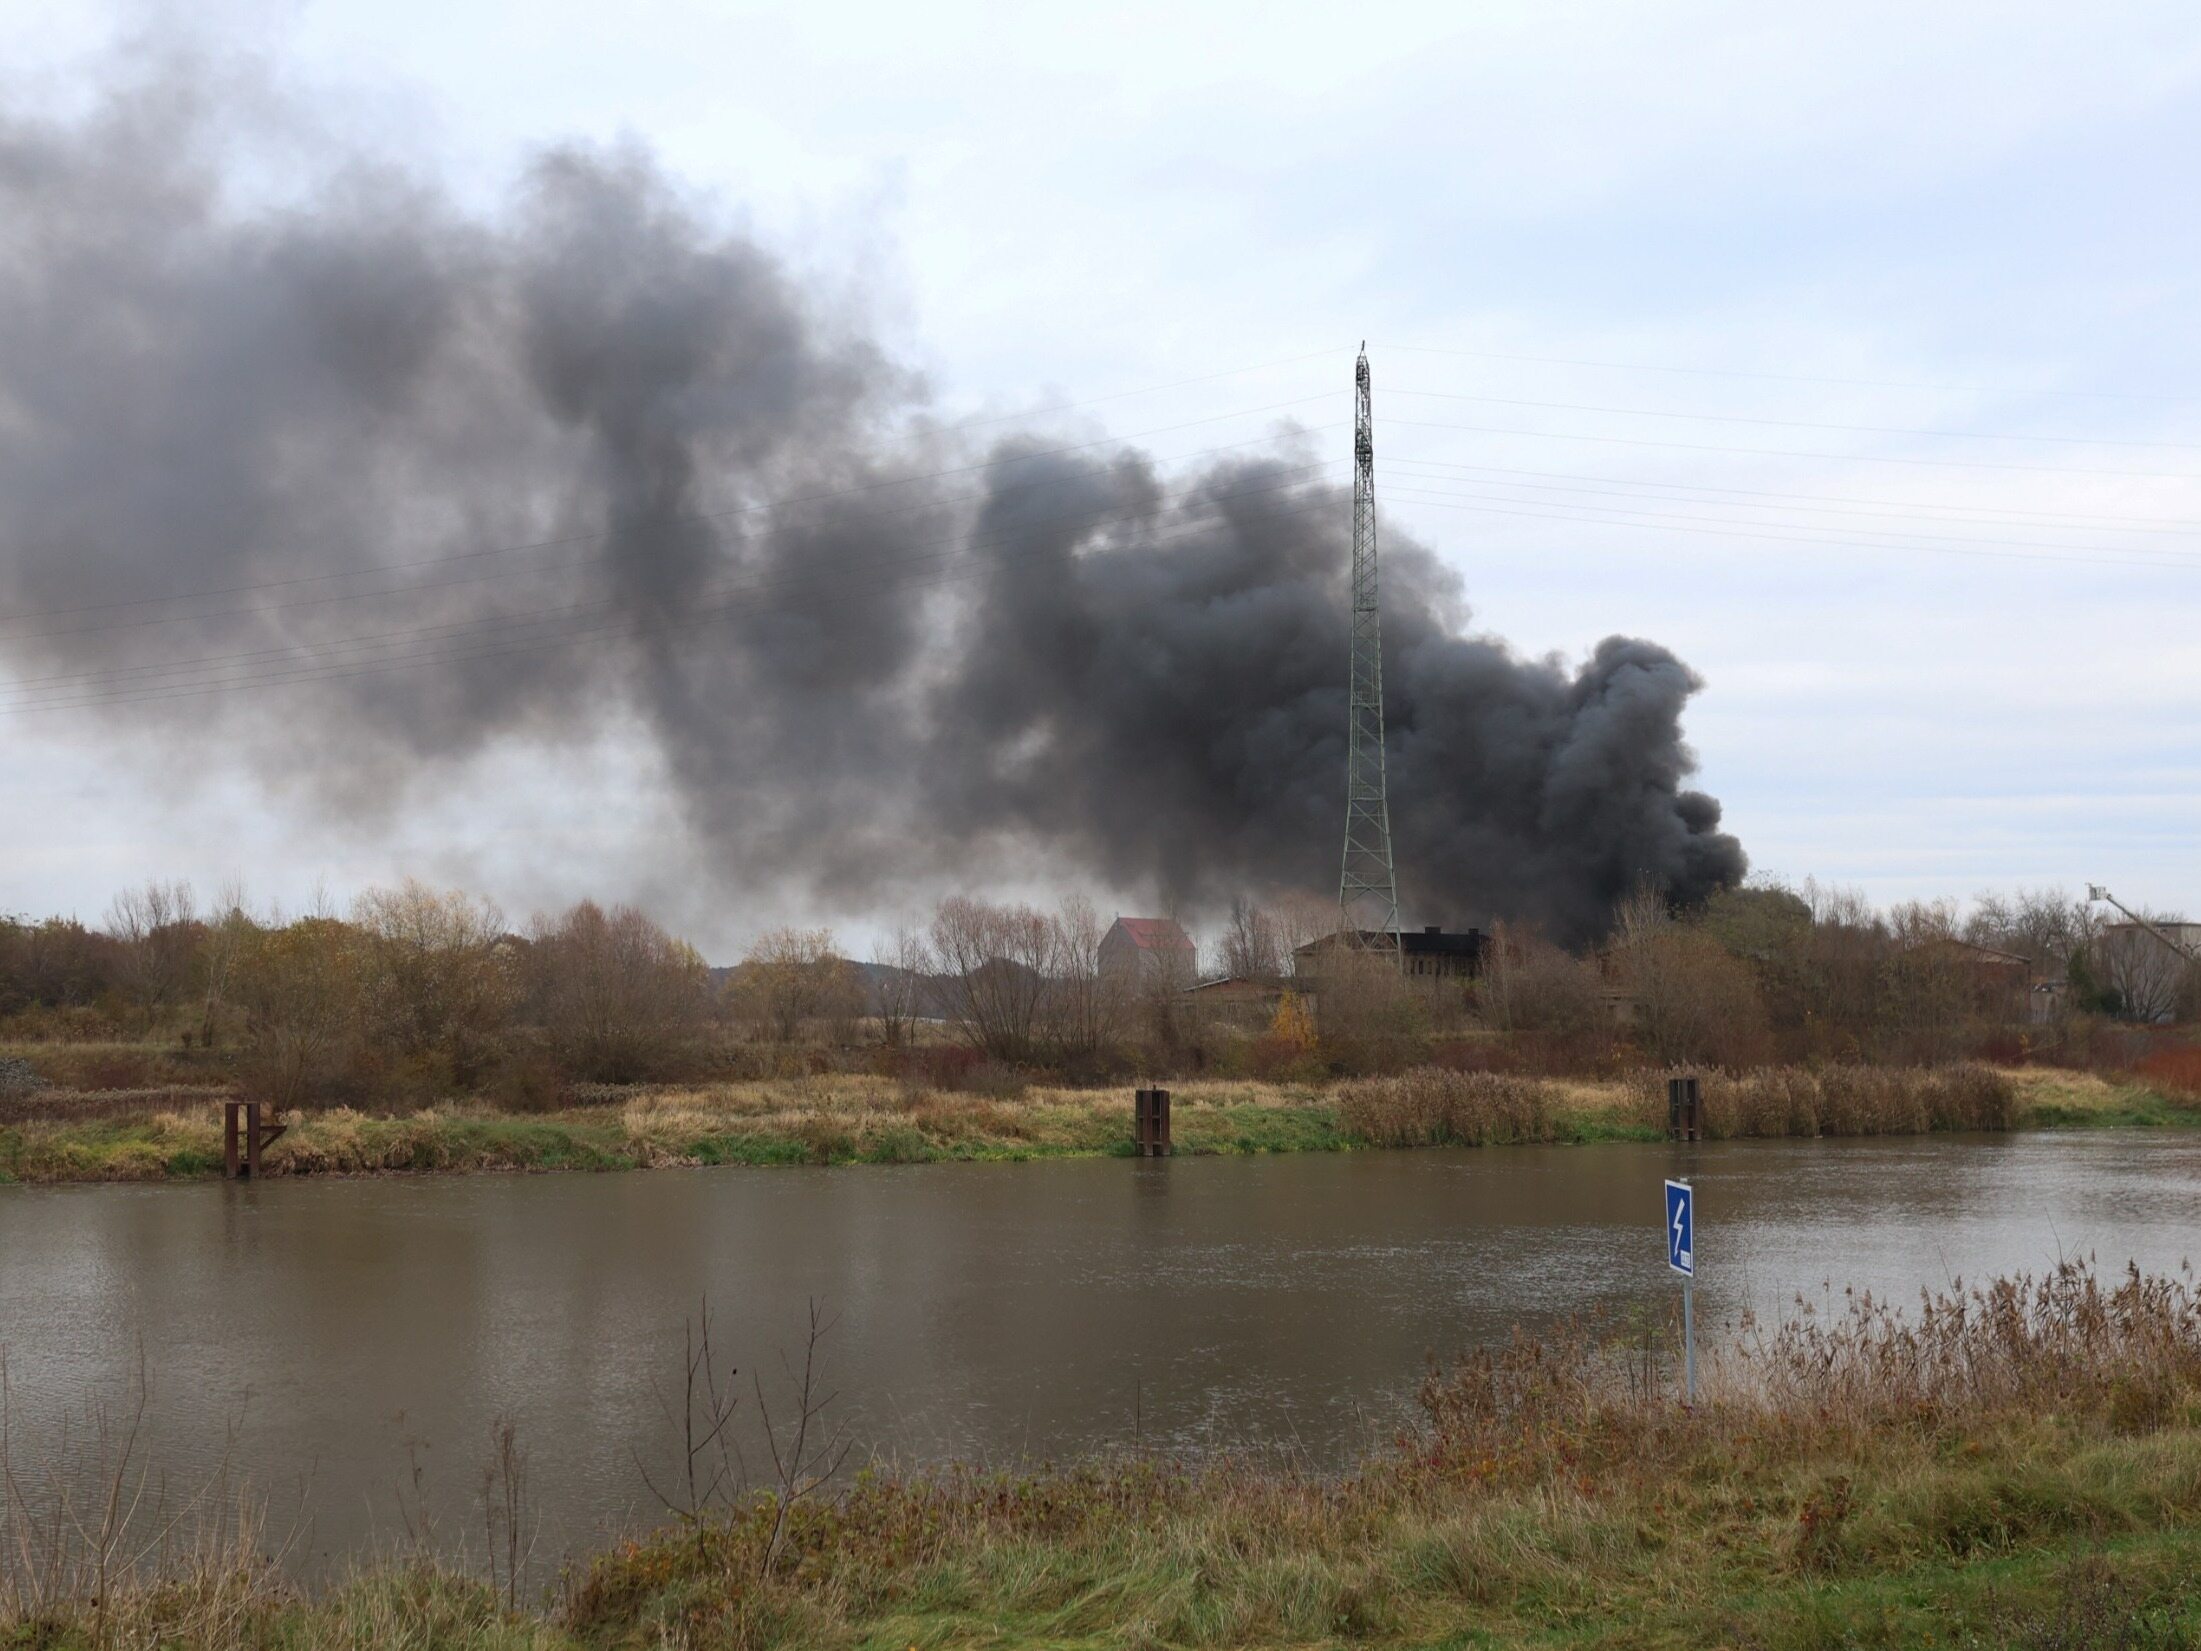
x,y
1791,378
1791,453
1612,493
2092,521
1760,531
1796,423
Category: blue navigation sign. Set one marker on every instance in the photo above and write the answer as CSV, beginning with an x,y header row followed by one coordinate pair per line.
x,y
1681,1228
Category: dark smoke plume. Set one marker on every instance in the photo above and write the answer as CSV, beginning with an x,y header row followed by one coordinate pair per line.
x,y
278,447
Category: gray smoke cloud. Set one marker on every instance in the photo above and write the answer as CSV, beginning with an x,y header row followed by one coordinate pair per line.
x,y
290,448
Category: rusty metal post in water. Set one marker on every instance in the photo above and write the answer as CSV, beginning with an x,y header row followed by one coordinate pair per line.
x,y
1684,1109
1150,1136
241,1126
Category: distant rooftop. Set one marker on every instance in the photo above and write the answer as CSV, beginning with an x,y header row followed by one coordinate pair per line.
x,y
1155,934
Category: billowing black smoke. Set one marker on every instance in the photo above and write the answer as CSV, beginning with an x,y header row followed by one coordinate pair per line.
x,y
359,485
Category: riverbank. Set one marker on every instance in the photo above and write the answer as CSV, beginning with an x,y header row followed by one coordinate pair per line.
x,y
2018,1466
843,1119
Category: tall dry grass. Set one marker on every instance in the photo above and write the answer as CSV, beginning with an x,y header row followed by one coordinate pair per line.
x,y
1437,1106
1441,1106
2120,1357
1839,1100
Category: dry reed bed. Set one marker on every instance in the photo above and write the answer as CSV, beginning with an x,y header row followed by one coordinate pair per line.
x,y
1435,1106
2117,1357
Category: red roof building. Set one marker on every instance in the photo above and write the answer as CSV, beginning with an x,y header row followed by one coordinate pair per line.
x,y
1147,946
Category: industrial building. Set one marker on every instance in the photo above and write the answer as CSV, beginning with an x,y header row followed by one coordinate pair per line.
x,y
1431,952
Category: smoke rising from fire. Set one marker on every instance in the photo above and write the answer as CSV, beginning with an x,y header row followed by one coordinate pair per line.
x,y
289,450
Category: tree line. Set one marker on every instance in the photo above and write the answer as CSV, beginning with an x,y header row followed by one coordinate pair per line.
x,y
415,989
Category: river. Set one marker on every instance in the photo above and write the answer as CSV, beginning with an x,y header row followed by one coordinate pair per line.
x,y
348,1345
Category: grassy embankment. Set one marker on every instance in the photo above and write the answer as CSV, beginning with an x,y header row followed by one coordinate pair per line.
x,y
67,1135
2018,1468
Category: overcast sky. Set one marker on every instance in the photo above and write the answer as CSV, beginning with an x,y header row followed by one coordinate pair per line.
x,y
1850,352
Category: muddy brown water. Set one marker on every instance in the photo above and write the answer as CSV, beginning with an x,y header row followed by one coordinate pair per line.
x,y
348,1345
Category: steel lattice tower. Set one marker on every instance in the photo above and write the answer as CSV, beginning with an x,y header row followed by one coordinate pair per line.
x,y
1367,890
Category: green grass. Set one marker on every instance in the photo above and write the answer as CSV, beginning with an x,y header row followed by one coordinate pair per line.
x,y
2107,1555
2124,1106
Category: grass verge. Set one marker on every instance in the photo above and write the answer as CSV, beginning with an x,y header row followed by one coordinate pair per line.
x,y
841,1119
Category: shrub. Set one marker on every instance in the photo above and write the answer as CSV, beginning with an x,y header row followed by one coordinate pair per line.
x,y
1501,1407
1694,1001
935,1066
1368,1017
1273,1059
997,1081
2177,1067
531,1082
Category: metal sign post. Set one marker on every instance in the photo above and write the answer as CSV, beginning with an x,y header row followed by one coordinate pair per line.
x,y
1681,1256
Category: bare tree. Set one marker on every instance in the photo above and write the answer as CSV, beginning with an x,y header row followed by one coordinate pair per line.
x,y
1694,999
298,987
2147,977
2045,926
1841,972
1165,976
1300,919
710,1467
434,981
1366,1012
613,984
1086,1003
996,967
1932,987
227,935
157,925
902,979
792,976
1643,911
1530,985
805,1452
506,1524
1253,945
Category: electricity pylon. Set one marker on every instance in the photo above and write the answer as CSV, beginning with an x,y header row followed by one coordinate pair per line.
x,y
1367,891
